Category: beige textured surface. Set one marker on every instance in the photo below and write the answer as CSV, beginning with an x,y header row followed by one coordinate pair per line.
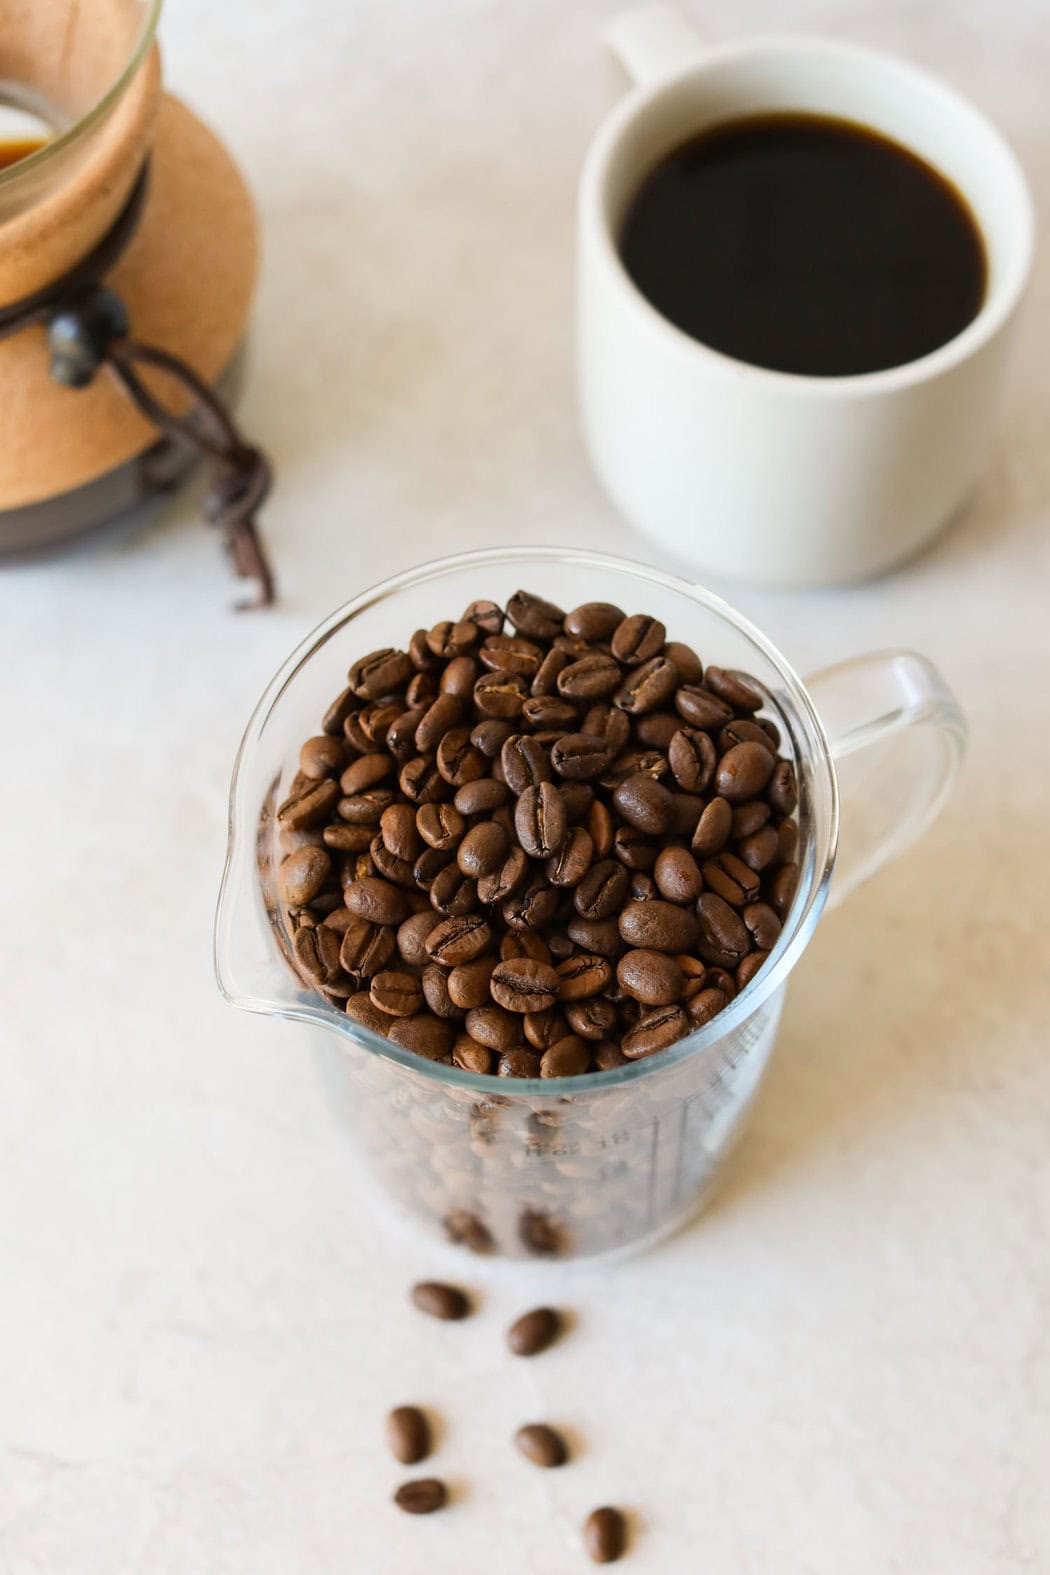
x,y
844,1369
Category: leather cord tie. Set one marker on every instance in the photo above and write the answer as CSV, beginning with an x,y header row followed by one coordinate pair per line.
x,y
88,328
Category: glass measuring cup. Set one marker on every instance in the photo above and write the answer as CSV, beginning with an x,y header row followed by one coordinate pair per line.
x,y
610,1161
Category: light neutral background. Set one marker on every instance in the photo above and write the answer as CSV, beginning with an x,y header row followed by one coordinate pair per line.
x,y
844,1368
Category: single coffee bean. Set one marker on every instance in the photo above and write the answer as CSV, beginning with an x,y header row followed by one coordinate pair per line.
x,y
408,1434
532,908
426,1036
421,1497
580,756
366,948
690,668
750,817
763,924
606,722
380,673
494,1027
459,940
719,979
440,1300
677,875
608,1056
743,772
481,797
657,1028
448,639
525,763
692,758
468,985
651,977
347,839
422,657
500,694
459,678
469,1056
782,890
412,937
506,879
542,1445
759,849
713,828
569,1057
783,788
384,863
748,968
429,865
303,874
637,639
591,1019
321,757
647,687
397,827
731,878
705,1004
724,940
397,994
571,863
367,771
700,708
600,829
365,809
518,1063
605,1535
482,850
440,825
593,621
457,759
487,615
583,975
400,737
317,954
593,677
510,653
658,926
534,1331
463,1226
632,763
742,730
376,900
534,617
543,1029
597,935
359,1007
421,782
521,985
490,735
337,713
545,681
644,804
733,688
602,891
548,716
540,820
309,805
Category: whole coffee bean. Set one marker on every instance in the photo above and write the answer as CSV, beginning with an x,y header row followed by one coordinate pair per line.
x,y
459,678
656,729
494,1027
355,733
543,1029
597,935
571,863
500,694
487,615
365,809
469,1056
700,708
583,975
690,668
463,1226
644,804
439,1300
637,639
359,1007
763,924
521,985
518,1063
429,1037
750,817
506,879
606,722
448,639
782,890
651,977
400,737
421,782
705,1004
783,788
397,827
748,968
743,772
713,828
542,1445
397,994
723,939
429,865
719,979
321,757
525,763
380,673
302,874
545,681
540,820
580,756
366,948
548,716
367,771
533,616
605,1535
534,1331
608,1056
468,985
490,735
408,1434
647,687
309,805
593,621
602,891
659,926
481,797
600,829
457,759
422,657
592,1019
733,688
732,879
440,825
742,730
692,759
347,839
569,1057
412,937
384,863
634,762
677,875
317,954
593,677
459,940
657,1028
337,713
482,850
421,1497
510,653
376,900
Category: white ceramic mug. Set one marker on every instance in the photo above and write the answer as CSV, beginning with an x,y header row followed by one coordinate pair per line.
x,y
770,476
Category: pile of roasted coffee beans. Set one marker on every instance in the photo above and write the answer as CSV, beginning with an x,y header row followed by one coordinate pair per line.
x,y
542,852
409,1436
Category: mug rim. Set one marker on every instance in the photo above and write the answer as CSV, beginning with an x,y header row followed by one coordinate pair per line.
x,y
995,310
244,814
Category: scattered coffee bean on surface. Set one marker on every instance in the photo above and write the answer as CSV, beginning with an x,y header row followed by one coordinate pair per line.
x,y
408,1434
534,1331
447,1302
421,1497
541,1444
605,1535
533,812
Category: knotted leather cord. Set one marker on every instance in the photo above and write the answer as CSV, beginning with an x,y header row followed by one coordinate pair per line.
x,y
240,477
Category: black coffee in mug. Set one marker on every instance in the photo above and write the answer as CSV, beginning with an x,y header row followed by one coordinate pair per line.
x,y
805,244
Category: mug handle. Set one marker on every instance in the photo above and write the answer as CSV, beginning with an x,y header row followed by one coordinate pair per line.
x,y
897,738
652,42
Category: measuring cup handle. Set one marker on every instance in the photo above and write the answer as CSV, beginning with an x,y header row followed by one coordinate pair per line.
x,y
898,738
652,42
